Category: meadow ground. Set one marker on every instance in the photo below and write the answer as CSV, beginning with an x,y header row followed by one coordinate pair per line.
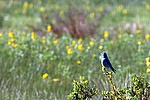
x,y
36,64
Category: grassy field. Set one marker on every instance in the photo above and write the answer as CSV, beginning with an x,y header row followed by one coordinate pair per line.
x,y
36,64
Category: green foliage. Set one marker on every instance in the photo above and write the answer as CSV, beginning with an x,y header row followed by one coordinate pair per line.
x,y
139,89
82,90
27,55
1,20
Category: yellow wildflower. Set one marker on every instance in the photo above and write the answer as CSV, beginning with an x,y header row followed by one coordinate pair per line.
x,y
55,41
67,47
15,11
14,45
43,39
139,42
125,11
102,40
148,70
91,43
80,47
33,35
80,40
112,41
69,51
89,47
11,34
55,79
119,8
78,62
45,76
147,64
94,55
73,42
106,34
100,47
100,9
147,59
147,37
119,35
147,6
49,27
138,31
42,9
1,34
9,42
30,5
12,40
75,47
25,6
92,14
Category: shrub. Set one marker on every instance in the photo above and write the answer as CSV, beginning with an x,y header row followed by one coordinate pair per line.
x,y
82,90
139,89
74,22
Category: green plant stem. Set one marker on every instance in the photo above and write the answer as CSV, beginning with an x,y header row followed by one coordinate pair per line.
x,y
109,76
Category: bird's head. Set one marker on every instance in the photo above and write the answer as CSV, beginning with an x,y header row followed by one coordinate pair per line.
x,y
103,55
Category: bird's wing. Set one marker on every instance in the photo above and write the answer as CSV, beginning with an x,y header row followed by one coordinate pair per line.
x,y
107,63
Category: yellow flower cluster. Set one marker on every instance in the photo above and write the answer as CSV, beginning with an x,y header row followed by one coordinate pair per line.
x,y
1,34
119,35
139,42
92,14
49,27
55,41
100,47
125,11
33,35
45,76
100,9
147,64
73,42
12,39
147,6
80,47
147,36
106,34
119,8
138,31
92,43
42,9
55,79
78,62
25,7
43,39
69,51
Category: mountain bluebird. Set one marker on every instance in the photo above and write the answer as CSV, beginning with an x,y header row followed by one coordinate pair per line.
x,y
105,61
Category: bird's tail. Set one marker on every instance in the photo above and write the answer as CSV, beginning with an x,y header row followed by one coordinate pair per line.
x,y
113,69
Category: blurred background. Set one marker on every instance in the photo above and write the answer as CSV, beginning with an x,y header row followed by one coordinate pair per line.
x,y
46,44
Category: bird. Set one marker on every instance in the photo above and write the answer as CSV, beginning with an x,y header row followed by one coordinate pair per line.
x,y
105,61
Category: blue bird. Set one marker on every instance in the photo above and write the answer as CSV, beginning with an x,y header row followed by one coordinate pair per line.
x,y
105,61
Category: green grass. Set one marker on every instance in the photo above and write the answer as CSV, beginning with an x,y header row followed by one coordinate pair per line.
x,y
22,67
